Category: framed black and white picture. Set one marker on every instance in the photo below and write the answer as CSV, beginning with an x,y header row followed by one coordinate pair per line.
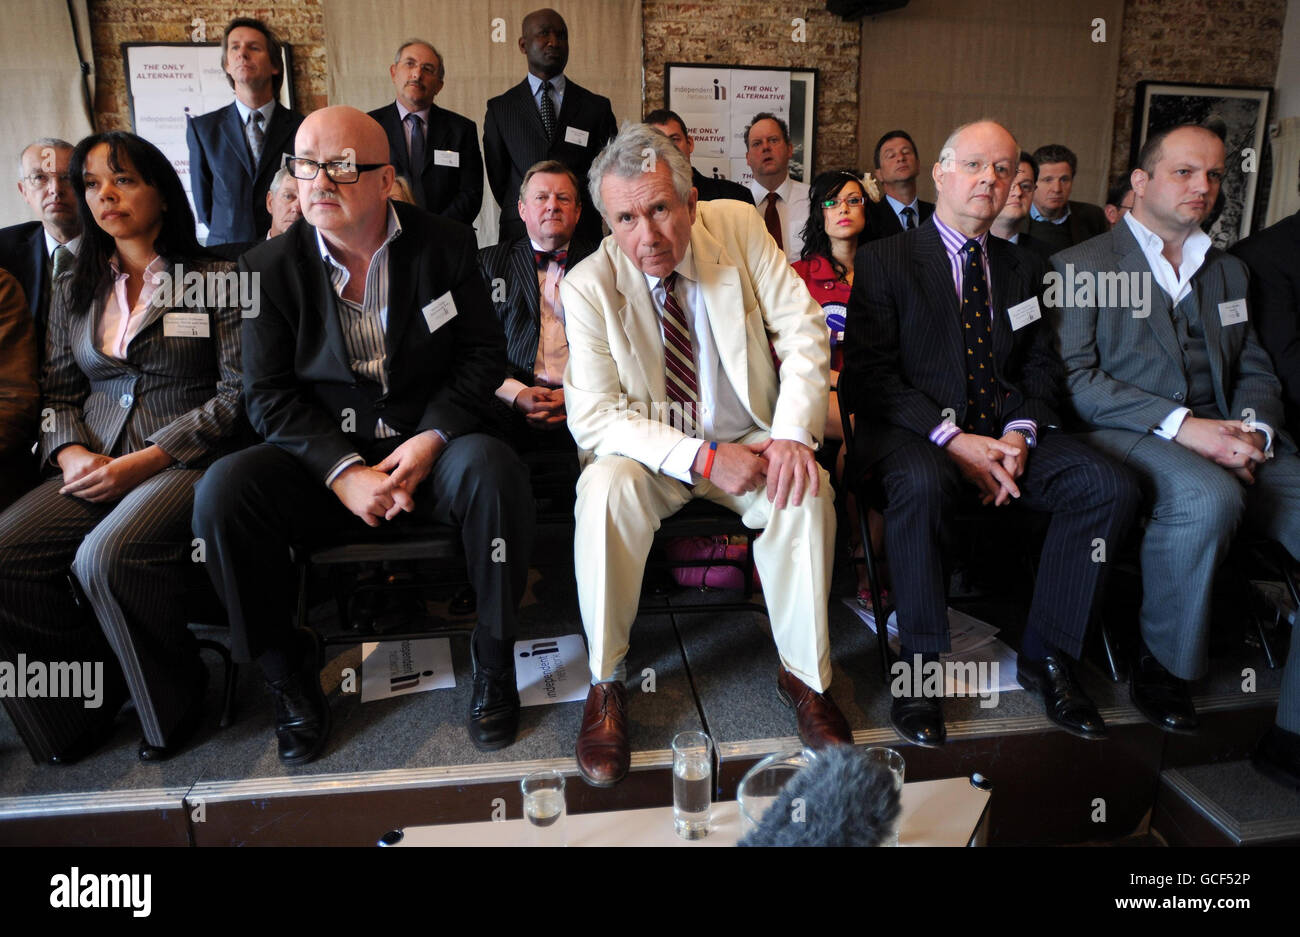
x,y
1239,114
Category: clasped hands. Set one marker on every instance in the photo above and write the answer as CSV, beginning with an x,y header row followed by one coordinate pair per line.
x,y
381,492
991,465
1229,443
542,407
97,478
786,467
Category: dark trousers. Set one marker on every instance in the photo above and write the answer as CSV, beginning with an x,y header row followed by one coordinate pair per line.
x,y
253,505
1087,495
129,558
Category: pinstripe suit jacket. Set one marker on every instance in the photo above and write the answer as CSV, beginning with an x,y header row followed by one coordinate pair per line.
x,y
520,311
904,354
181,394
1125,372
514,138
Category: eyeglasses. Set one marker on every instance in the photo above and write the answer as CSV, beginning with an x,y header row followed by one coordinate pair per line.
x,y
853,201
39,180
342,171
1025,187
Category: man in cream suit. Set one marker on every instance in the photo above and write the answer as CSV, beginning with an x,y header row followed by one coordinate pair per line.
x,y
672,394
1164,370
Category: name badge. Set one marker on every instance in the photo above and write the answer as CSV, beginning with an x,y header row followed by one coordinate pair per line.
x,y
1232,312
1022,314
185,325
446,158
574,135
439,312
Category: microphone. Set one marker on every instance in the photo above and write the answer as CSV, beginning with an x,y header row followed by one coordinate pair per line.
x,y
840,799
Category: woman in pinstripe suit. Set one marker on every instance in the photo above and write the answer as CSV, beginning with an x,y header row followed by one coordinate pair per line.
x,y
139,394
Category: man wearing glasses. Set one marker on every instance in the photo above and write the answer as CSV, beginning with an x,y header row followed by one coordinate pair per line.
x,y
1007,224
374,353
35,251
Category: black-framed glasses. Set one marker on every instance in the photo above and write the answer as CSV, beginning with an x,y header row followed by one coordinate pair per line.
x,y
341,171
853,201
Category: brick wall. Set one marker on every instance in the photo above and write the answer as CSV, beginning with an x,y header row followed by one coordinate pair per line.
x,y
740,32
113,22
1195,41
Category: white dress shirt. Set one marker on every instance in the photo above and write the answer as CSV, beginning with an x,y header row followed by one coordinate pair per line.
x,y
791,207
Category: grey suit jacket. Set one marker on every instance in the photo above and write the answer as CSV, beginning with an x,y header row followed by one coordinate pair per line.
x,y
1124,372
181,394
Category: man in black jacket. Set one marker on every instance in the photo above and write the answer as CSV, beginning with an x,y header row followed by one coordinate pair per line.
x,y
366,370
545,116
671,125
956,389
435,149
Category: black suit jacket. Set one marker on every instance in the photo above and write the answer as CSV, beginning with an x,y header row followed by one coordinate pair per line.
x,y
513,265
453,191
300,391
883,223
229,191
22,253
1085,221
1031,243
904,354
709,189
1273,256
514,139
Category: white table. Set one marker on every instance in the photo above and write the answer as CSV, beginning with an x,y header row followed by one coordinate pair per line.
x,y
935,813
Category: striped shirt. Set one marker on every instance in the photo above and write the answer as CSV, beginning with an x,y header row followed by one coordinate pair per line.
x,y
954,243
365,325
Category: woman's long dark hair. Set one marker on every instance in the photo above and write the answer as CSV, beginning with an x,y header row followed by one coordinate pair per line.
x,y
176,241
816,242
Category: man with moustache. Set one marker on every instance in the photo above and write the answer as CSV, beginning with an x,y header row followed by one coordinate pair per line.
x,y
545,116
897,168
951,373
1007,223
1181,391
434,148
367,372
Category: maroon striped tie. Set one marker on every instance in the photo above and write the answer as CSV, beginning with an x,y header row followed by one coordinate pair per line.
x,y
679,360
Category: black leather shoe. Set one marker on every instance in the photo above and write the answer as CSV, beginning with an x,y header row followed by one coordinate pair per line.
x,y
918,720
493,706
302,713
1064,700
187,726
464,602
1278,756
1161,697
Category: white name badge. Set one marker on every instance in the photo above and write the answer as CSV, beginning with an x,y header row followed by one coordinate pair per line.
x,y
439,312
1232,312
1022,314
185,325
574,135
446,158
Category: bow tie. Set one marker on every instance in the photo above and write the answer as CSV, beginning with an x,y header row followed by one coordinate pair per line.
x,y
544,258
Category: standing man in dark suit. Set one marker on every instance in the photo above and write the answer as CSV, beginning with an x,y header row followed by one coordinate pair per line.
x,y
951,371
1166,374
32,251
367,371
1273,256
897,167
1053,218
670,124
436,150
524,277
545,116
234,151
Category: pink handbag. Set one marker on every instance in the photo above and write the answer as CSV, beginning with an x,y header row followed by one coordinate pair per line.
x,y
719,547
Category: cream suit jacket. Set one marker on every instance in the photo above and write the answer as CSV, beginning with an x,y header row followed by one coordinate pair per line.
x,y
615,374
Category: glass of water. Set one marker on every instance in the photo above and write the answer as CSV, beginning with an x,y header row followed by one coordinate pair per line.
x,y
892,762
544,807
692,784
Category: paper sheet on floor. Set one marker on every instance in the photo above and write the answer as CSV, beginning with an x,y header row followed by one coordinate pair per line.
x,y
552,670
395,668
973,641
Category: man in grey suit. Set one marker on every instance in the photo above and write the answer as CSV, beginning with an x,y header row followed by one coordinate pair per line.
x,y
1164,369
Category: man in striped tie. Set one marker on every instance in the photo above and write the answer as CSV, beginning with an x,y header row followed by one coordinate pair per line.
x,y
672,394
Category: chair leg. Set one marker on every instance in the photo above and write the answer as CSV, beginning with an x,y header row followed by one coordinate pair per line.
x,y
230,671
1114,663
873,587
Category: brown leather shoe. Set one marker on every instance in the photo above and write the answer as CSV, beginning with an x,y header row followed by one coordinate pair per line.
x,y
603,750
820,721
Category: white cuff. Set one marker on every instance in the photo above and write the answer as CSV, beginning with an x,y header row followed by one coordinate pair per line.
x,y
1171,424
509,390
677,464
795,434
345,462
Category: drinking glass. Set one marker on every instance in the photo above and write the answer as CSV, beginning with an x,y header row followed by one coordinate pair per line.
x,y
692,784
892,761
544,807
